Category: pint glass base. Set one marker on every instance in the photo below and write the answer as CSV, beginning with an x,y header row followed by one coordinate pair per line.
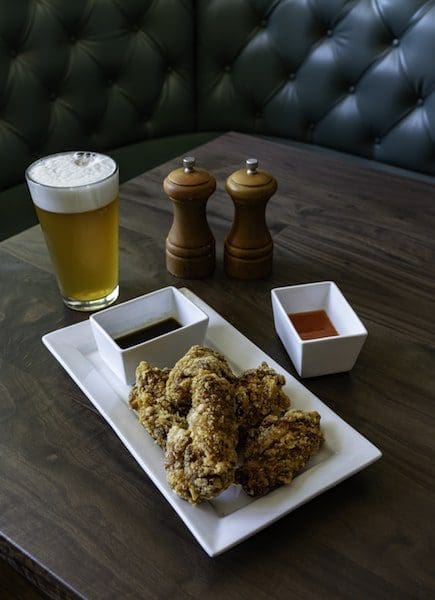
x,y
90,305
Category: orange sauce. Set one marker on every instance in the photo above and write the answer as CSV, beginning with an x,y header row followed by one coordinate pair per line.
x,y
313,324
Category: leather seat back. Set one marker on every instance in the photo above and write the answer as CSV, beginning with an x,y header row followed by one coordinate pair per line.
x,y
91,74
353,75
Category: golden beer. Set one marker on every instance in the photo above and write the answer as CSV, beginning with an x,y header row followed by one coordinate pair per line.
x,y
80,225
84,250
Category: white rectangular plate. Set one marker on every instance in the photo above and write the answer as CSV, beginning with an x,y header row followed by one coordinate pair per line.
x,y
233,516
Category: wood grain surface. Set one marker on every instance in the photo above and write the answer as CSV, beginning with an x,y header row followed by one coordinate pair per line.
x,y
80,518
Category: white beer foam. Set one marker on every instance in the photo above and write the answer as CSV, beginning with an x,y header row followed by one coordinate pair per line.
x,y
73,182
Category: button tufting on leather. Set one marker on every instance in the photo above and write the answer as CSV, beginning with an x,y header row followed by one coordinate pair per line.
x,y
299,39
46,34
385,102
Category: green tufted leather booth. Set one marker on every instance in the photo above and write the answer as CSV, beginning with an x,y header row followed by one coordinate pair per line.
x,y
146,80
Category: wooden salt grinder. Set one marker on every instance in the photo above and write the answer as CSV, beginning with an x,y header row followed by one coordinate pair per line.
x,y
190,245
248,250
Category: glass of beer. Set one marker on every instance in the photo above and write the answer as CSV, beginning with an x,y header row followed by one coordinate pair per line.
x,y
76,199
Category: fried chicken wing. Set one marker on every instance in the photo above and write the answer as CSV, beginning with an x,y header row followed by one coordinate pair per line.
x,y
149,380
178,392
148,398
199,411
200,462
258,394
277,450
176,443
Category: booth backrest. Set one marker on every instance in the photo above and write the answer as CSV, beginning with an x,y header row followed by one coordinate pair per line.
x,y
91,74
353,75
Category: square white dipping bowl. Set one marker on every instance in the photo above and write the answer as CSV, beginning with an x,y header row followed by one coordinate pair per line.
x,y
145,311
321,356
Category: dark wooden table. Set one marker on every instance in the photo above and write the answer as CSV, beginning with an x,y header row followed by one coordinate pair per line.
x,y
77,514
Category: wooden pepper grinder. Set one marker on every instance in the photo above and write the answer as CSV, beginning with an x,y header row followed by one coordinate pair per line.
x,y
190,245
248,247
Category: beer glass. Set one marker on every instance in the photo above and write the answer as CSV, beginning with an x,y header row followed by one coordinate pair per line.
x,y
75,195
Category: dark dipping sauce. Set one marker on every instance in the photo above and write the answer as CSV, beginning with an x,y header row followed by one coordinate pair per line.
x,y
313,324
147,333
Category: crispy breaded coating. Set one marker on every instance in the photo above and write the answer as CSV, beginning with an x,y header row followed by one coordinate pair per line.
x,y
176,443
150,380
148,398
258,394
277,450
178,391
200,414
200,463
